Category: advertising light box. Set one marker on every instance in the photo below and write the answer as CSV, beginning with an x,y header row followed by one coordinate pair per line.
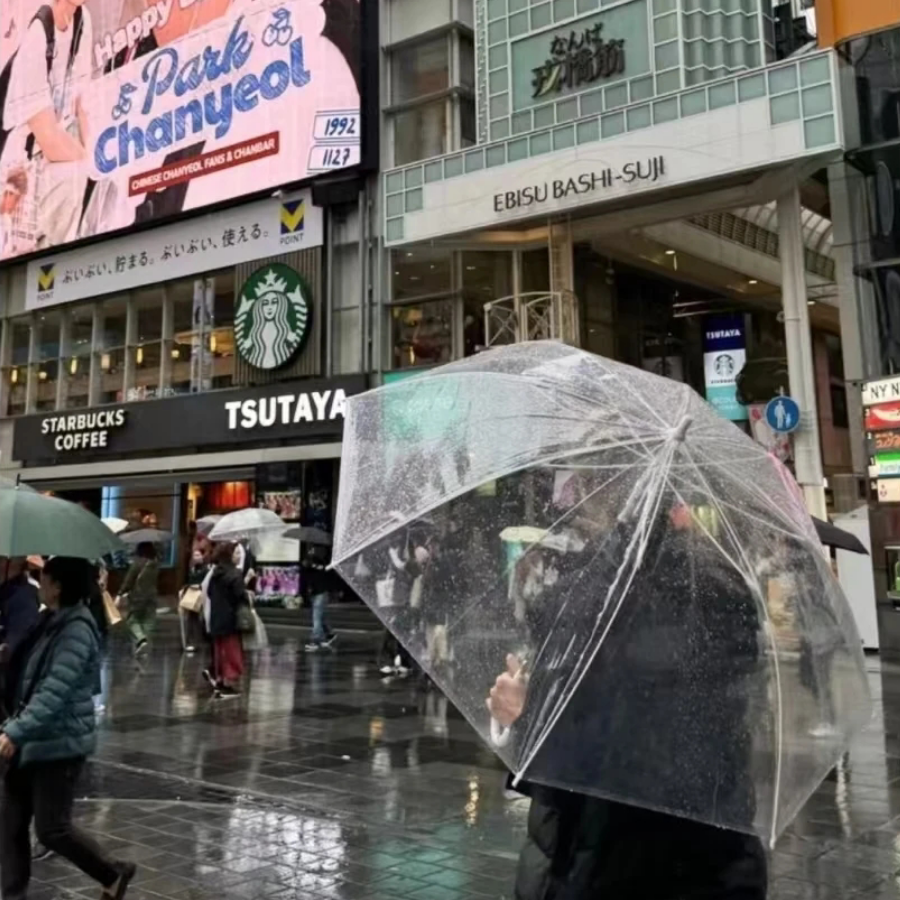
x,y
122,112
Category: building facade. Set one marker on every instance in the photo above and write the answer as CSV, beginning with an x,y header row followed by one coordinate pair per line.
x,y
186,308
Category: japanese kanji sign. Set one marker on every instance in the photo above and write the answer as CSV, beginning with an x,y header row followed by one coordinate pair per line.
x,y
218,240
579,59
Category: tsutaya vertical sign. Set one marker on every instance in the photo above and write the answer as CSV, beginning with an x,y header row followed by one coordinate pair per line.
x,y
724,355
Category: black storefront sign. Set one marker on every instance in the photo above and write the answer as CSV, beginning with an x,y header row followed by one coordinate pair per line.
x,y
305,411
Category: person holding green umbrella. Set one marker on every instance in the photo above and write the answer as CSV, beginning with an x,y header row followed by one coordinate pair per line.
x,y
46,741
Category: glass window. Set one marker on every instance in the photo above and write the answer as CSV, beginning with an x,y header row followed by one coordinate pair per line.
x,y
47,374
468,129
486,276
16,381
47,342
75,365
80,332
185,332
840,417
420,132
420,272
146,363
422,334
114,322
76,375
420,69
148,306
20,342
111,364
220,342
466,62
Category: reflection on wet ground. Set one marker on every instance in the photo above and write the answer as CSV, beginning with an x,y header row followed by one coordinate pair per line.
x,y
326,781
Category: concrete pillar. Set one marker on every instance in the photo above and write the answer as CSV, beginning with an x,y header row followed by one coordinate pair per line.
x,y
801,370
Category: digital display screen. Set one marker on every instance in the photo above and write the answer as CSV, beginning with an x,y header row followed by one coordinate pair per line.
x,y
123,112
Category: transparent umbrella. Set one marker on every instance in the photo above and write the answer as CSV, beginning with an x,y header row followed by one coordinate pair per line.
x,y
649,572
245,523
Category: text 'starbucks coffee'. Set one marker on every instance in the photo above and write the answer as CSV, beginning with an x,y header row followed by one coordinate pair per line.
x,y
273,316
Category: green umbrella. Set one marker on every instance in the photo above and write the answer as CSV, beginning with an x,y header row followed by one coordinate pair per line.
x,y
33,523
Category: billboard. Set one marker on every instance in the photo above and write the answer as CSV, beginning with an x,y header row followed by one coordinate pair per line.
x,y
118,113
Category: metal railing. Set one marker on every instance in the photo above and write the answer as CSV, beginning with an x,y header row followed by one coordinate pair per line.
x,y
534,316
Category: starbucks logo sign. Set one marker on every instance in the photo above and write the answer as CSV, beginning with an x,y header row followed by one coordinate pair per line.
x,y
273,318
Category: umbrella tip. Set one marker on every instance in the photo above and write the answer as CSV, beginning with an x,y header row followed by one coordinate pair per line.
x,y
679,433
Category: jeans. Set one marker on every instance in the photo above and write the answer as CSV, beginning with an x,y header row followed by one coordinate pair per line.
x,y
45,792
321,631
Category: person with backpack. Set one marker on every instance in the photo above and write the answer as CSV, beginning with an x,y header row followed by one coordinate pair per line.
x,y
44,134
50,734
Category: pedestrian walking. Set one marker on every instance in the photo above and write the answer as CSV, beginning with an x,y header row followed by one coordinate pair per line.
x,y
45,743
97,606
318,582
19,603
139,592
228,604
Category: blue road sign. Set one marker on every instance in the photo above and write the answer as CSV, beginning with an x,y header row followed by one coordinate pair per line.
x,y
783,415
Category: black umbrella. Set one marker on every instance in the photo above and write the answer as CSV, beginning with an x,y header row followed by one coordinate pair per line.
x,y
832,536
309,534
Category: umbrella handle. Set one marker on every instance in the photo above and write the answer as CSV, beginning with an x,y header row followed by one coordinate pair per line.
x,y
500,735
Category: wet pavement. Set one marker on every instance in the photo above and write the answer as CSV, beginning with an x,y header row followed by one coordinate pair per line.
x,y
326,781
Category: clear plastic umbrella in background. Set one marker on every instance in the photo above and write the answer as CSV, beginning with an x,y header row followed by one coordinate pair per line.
x,y
33,523
145,536
244,524
650,570
206,524
115,525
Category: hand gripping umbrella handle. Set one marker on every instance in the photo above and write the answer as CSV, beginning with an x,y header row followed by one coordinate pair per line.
x,y
500,735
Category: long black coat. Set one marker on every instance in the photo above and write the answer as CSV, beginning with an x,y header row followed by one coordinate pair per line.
x,y
581,847
226,593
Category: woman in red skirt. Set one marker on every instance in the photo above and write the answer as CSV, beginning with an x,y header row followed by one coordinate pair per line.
x,y
226,593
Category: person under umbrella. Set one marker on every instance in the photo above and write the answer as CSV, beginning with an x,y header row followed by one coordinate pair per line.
x,y
53,730
585,846
227,593
19,603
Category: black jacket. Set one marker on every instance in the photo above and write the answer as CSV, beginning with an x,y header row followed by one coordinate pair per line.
x,y
19,607
584,848
226,593
688,626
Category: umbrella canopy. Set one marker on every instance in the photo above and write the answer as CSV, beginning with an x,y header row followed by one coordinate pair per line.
x,y
244,524
35,524
690,652
832,536
146,536
308,534
115,525
206,524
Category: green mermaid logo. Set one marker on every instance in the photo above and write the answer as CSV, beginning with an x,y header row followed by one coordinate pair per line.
x,y
273,316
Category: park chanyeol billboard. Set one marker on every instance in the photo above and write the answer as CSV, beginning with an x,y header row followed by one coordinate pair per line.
x,y
117,113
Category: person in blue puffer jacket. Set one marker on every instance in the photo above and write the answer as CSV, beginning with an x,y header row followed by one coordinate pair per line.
x,y
51,732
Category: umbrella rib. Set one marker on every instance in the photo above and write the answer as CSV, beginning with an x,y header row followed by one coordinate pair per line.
x,y
444,499
756,590
641,540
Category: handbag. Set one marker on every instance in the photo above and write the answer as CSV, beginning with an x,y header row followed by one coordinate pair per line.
x,y
258,639
191,599
384,590
246,622
110,610
415,594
